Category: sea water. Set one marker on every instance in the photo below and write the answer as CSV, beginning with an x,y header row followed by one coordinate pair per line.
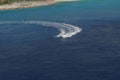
x,y
29,49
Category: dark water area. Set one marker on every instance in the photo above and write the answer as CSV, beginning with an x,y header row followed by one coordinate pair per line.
x,y
31,52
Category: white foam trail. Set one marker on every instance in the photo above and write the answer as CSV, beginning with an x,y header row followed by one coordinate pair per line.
x,y
66,30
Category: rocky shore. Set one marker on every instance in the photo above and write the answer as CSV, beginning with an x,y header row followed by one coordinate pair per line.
x,y
28,4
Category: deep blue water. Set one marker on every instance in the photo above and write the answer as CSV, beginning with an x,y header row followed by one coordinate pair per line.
x,y
31,52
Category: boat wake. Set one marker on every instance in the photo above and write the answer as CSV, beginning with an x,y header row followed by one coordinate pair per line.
x,y
66,30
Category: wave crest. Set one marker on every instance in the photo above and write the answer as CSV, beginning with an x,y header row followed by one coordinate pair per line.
x,y
66,30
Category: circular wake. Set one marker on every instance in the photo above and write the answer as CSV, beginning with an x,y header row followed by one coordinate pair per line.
x,y
66,30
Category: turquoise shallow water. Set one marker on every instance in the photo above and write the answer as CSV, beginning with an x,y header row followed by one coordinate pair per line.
x,y
31,52
81,10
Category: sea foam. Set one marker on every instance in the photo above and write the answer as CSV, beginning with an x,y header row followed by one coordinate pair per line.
x,y
66,30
